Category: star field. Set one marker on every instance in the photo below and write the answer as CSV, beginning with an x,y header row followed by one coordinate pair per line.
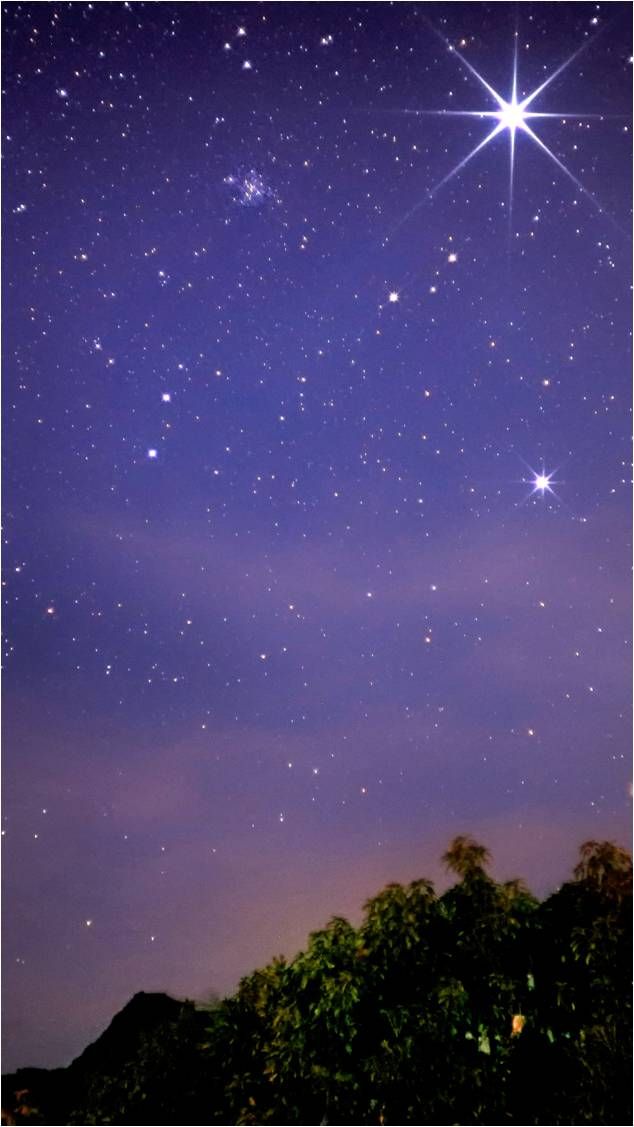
x,y
316,476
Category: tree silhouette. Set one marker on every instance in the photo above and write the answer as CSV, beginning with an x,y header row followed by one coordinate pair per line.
x,y
479,1006
605,867
466,857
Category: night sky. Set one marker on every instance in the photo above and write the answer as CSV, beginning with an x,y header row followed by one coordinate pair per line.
x,y
316,487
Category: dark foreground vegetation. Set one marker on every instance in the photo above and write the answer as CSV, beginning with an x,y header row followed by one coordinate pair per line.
x,y
478,1006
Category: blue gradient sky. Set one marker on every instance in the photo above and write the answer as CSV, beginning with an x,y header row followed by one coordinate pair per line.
x,y
329,625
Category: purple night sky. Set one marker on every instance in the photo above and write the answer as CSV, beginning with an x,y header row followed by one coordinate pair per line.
x,y
284,610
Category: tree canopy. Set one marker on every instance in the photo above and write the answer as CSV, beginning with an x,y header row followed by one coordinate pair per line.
x,y
478,1006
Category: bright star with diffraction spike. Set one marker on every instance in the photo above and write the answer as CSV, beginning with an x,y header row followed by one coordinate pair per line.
x,y
541,482
511,115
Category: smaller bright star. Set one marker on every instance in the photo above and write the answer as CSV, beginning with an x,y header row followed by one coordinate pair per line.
x,y
152,453
541,483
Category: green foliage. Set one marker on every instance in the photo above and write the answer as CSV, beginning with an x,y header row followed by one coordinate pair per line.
x,y
444,1009
479,1006
466,857
606,868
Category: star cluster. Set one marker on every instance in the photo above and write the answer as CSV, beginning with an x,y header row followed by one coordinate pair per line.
x,y
316,475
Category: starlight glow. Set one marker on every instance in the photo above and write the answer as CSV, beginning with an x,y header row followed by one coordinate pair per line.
x,y
511,115
541,483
